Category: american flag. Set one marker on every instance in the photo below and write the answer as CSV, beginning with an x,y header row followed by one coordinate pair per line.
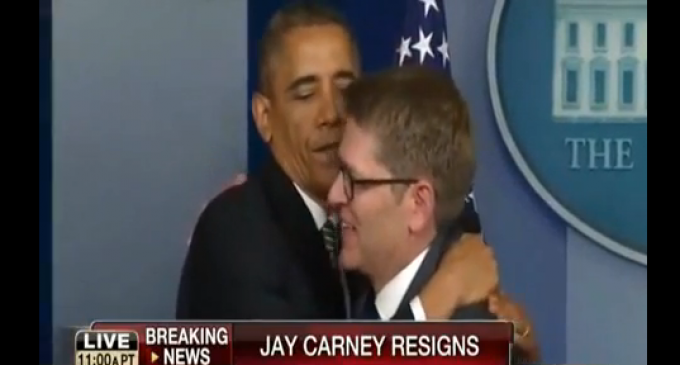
x,y
423,41
423,38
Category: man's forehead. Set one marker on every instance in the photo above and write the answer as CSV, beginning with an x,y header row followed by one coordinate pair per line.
x,y
317,48
358,149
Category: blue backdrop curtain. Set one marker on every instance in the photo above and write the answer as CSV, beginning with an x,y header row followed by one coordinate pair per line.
x,y
362,16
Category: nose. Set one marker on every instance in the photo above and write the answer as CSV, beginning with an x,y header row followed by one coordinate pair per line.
x,y
331,106
336,196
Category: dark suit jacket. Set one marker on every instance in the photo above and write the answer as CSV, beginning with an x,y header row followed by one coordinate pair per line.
x,y
256,253
445,238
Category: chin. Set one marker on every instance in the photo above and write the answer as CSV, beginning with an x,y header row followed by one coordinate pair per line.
x,y
349,260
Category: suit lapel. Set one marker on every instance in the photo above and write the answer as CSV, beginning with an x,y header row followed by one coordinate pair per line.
x,y
445,238
294,218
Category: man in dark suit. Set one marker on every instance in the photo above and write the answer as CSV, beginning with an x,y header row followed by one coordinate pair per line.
x,y
406,166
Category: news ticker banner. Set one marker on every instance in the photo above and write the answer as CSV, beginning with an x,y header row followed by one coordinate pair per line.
x,y
294,343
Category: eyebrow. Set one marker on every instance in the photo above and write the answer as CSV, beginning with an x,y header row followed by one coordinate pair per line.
x,y
345,74
311,79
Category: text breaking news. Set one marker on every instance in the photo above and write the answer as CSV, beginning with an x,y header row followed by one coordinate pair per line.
x,y
296,343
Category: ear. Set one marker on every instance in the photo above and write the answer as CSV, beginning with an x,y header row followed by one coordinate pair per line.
x,y
260,106
423,199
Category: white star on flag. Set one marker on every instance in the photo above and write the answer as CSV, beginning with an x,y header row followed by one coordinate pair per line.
x,y
423,45
404,50
429,4
444,50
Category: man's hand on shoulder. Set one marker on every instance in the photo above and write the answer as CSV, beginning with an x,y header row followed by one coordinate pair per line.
x,y
239,179
467,274
236,181
505,308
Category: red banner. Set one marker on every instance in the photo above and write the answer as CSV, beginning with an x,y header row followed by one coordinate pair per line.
x,y
307,343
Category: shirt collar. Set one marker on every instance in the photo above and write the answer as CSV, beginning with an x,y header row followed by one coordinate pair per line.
x,y
390,296
317,211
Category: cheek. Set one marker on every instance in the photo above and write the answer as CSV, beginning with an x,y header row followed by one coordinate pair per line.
x,y
371,210
296,132
374,223
354,240
361,210
294,123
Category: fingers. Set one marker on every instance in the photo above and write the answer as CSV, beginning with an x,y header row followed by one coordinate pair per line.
x,y
238,180
498,294
507,310
498,305
521,334
493,305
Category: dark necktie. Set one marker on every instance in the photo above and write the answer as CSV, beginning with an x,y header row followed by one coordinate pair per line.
x,y
368,311
331,241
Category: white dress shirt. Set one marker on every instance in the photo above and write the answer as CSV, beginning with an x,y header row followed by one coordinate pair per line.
x,y
390,296
318,212
405,276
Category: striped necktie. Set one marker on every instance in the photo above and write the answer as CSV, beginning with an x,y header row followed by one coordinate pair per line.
x,y
331,241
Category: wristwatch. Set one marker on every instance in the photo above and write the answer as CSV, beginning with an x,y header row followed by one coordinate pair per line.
x,y
521,331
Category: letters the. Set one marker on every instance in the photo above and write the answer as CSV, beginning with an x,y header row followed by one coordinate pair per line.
x,y
600,154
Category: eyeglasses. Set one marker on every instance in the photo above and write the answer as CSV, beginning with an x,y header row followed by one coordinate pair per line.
x,y
349,182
